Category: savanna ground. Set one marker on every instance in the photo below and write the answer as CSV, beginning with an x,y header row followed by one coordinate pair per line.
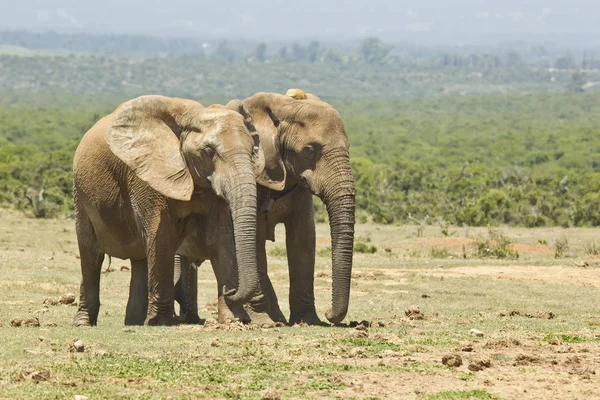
x,y
536,318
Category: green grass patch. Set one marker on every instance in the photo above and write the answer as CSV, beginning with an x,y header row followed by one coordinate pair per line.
x,y
463,395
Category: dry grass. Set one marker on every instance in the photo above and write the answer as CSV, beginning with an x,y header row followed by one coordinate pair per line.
x,y
509,301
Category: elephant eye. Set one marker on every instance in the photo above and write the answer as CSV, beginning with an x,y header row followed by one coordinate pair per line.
x,y
209,151
309,151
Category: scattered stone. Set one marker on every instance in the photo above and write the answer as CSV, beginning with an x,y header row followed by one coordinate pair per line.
x,y
271,394
37,376
30,322
479,364
414,313
77,346
545,315
49,301
476,332
425,296
467,348
40,311
387,250
524,359
80,397
380,324
360,333
357,352
452,360
555,341
582,265
388,353
515,313
359,325
215,342
127,330
67,298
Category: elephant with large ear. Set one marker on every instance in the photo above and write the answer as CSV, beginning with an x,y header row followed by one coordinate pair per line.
x,y
142,175
306,147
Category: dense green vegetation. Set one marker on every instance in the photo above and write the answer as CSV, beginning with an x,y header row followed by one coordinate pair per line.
x,y
530,160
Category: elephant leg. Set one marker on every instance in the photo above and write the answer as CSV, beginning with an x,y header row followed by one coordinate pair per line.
x,y
300,244
264,307
186,290
137,304
91,266
160,252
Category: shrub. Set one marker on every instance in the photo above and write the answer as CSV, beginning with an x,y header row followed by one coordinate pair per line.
x,y
495,246
361,247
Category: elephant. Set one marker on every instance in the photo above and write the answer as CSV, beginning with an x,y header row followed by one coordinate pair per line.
x,y
143,177
307,148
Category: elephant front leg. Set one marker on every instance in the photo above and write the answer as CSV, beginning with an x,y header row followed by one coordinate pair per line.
x,y
186,290
137,304
300,245
161,257
264,308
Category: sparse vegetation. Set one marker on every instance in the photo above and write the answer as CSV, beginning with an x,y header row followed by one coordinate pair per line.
x,y
497,245
561,246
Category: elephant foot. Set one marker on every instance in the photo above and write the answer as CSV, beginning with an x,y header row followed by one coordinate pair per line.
x,y
82,318
308,318
191,318
161,320
228,314
261,319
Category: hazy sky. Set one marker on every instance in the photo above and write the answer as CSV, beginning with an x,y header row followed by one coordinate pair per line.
x,y
427,21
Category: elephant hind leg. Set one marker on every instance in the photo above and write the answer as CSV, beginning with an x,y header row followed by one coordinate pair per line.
x,y
91,257
137,304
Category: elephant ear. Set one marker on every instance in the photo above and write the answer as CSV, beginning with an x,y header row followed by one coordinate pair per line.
x,y
263,128
145,135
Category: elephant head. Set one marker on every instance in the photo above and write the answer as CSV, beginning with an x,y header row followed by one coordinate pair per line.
x,y
305,143
178,146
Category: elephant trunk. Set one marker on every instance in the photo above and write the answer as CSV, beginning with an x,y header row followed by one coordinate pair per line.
x,y
339,199
242,202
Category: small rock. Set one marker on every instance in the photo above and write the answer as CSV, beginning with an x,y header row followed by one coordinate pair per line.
x,y
78,346
414,313
555,341
49,301
80,397
357,352
30,322
215,342
361,334
425,296
271,394
467,348
480,364
476,332
389,353
545,315
38,376
67,298
127,330
387,250
452,360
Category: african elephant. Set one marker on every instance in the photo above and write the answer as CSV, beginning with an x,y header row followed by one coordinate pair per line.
x,y
306,146
142,175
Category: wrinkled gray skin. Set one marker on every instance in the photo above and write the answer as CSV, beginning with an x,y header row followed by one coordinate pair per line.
x,y
141,176
305,146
